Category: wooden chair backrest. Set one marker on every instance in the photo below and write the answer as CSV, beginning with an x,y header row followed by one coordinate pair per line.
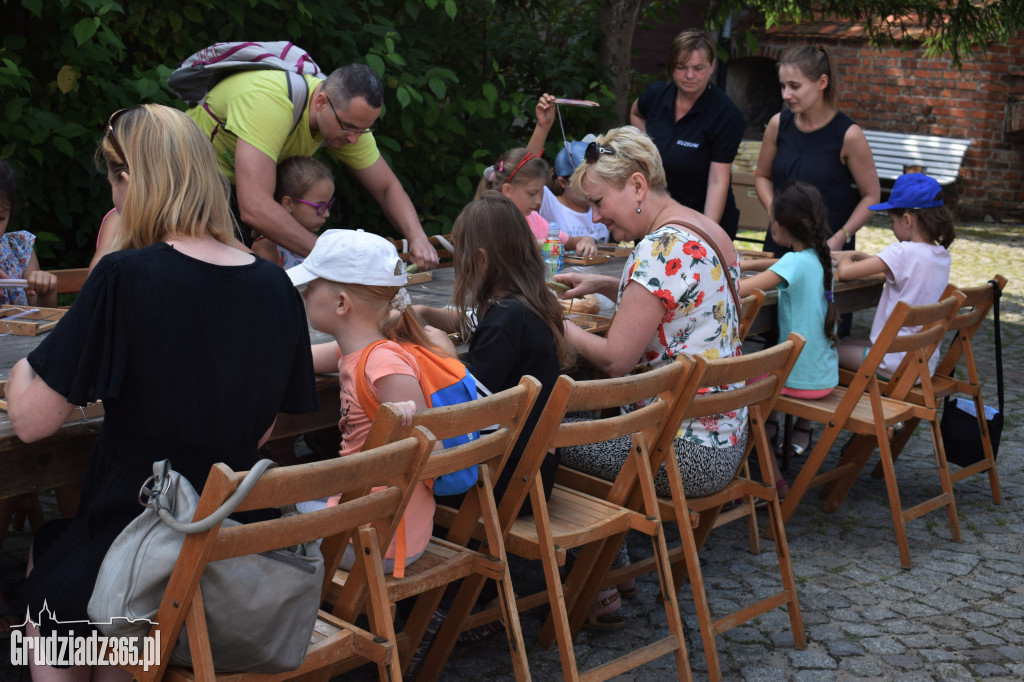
x,y
932,321
70,281
976,305
508,410
760,376
395,466
660,386
750,306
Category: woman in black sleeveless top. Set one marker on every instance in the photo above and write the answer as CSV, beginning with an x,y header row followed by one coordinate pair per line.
x,y
816,143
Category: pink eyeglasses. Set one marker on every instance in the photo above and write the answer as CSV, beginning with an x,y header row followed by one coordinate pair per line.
x,y
320,208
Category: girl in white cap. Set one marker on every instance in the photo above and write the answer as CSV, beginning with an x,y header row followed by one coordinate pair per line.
x,y
353,282
916,267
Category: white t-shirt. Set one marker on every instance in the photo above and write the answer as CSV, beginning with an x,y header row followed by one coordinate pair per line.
x,y
920,273
571,222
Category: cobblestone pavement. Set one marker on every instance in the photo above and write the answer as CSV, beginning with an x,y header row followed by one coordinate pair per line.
x,y
958,614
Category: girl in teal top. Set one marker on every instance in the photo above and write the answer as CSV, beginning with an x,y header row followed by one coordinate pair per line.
x,y
804,280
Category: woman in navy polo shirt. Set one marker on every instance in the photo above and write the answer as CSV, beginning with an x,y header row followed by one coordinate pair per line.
x,y
696,128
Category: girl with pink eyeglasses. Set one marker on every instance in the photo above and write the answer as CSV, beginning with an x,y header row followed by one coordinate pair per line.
x,y
305,188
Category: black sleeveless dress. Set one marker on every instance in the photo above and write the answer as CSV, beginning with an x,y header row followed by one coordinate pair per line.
x,y
814,158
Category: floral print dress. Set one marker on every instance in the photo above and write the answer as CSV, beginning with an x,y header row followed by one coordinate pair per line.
x,y
700,315
15,253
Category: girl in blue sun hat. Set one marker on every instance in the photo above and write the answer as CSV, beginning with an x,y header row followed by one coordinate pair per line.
x,y
916,267
560,203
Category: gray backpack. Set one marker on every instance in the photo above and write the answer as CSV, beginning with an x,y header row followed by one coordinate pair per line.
x,y
197,75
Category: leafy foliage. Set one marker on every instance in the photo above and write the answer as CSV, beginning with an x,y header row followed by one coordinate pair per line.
x,y
943,27
461,80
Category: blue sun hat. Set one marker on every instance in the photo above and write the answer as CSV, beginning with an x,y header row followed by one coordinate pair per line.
x,y
570,156
913,190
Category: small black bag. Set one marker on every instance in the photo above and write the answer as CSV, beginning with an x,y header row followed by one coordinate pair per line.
x,y
961,435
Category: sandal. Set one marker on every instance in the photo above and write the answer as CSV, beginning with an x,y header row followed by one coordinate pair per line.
x,y
602,616
628,589
795,449
781,487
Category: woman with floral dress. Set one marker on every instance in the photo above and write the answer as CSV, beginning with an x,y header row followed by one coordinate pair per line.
x,y
673,297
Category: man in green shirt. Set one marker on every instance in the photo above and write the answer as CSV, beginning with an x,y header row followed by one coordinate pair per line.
x,y
248,118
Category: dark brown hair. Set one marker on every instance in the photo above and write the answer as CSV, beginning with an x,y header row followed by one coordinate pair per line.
x,y
800,211
815,62
297,174
514,267
936,222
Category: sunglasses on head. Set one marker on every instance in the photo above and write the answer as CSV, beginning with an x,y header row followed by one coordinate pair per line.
x,y
594,151
320,207
109,132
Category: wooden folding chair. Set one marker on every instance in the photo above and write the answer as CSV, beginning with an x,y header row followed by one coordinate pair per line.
x,y
972,314
446,561
862,409
334,640
573,519
766,371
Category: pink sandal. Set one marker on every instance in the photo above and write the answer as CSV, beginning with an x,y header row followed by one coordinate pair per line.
x,y
601,616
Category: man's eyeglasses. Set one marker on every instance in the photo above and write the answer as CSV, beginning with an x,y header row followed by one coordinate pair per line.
x,y
320,208
594,151
109,132
353,131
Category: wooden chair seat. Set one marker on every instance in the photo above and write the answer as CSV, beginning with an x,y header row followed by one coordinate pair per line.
x,y
331,641
441,563
575,519
861,418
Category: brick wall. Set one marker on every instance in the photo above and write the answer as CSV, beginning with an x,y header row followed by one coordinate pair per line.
x,y
904,92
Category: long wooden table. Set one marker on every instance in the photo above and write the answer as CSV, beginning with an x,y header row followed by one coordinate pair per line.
x,y
62,458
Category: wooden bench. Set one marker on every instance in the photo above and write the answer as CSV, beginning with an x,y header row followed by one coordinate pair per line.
x,y
938,157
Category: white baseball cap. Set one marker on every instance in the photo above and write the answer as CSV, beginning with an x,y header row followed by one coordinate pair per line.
x,y
351,257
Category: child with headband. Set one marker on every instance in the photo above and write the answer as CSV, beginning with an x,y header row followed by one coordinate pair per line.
x,y
521,175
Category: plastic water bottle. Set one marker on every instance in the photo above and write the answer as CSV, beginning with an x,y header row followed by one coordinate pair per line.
x,y
551,250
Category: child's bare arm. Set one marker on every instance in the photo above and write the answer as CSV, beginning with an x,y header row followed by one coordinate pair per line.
x,y
42,285
397,388
766,281
583,246
265,249
545,112
859,265
757,264
325,357
442,318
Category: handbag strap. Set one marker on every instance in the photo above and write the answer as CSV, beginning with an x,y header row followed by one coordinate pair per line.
x,y
161,486
996,293
690,227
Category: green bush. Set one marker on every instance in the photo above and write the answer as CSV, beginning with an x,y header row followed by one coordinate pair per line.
x,y
461,83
